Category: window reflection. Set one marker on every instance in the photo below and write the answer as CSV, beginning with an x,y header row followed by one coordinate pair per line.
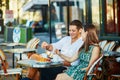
x,y
95,13
110,28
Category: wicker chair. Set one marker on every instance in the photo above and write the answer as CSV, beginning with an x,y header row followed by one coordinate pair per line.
x,y
115,76
92,72
5,72
118,49
32,44
109,46
103,43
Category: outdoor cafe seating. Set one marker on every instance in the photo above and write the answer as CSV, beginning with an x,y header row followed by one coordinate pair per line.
x,y
5,72
18,53
111,65
107,67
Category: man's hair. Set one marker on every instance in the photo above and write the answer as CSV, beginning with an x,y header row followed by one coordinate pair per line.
x,y
77,23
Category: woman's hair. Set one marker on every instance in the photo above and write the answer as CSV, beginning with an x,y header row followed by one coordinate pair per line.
x,y
91,37
76,23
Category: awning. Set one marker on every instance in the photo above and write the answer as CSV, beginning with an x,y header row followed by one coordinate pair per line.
x,y
37,4
34,4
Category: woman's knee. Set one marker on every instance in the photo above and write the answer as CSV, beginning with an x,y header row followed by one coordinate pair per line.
x,y
58,77
63,76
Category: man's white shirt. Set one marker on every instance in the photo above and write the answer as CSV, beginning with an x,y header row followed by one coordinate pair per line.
x,y
67,48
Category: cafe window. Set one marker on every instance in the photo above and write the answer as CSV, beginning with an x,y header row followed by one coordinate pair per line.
x,y
109,19
95,13
63,12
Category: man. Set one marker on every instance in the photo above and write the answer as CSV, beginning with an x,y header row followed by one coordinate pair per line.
x,y
68,45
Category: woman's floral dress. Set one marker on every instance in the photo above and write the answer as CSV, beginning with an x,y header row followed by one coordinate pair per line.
x,y
75,71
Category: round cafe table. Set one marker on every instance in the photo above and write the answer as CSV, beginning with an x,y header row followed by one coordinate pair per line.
x,y
41,66
13,46
19,51
36,64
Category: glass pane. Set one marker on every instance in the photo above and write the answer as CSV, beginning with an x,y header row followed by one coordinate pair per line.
x,y
76,11
95,14
118,15
109,19
82,10
59,18
110,26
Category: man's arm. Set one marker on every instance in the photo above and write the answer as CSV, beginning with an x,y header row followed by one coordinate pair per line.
x,y
66,58
47,46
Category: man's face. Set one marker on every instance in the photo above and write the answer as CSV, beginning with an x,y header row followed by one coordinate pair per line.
x,y
73,31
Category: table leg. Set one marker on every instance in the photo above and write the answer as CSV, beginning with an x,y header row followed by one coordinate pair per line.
x,y
20,56
13,60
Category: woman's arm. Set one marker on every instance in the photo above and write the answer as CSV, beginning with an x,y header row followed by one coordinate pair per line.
x,y
94,57
66,58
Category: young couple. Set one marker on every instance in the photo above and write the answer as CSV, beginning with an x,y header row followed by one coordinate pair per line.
x,y
79,51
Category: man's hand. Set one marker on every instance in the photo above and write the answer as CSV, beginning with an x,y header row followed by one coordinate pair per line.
x,y
44,45
47,46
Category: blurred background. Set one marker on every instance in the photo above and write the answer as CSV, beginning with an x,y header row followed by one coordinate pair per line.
x,y
53,17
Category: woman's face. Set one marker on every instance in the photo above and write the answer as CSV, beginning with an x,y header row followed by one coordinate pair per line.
x,y
74,32
84,34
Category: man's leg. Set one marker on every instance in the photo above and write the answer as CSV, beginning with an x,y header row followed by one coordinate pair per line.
x,y
33,73
51,73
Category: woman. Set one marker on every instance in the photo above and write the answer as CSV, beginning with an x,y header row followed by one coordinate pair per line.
x,y
68,45
88,54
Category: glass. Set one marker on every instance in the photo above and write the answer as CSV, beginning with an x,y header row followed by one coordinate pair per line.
x,y
95,14
111,17
110,28
49,54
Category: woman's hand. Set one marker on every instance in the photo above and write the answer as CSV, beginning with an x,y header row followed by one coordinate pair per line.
x,y
66,63
85,69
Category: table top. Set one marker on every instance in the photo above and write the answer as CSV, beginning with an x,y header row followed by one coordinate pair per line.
x,y
35,64
12,44
19,50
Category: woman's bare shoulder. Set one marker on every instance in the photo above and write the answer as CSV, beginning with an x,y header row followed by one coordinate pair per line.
x,y
96,47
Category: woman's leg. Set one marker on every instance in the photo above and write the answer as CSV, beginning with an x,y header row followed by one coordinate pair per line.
x,y
33,73
63,76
